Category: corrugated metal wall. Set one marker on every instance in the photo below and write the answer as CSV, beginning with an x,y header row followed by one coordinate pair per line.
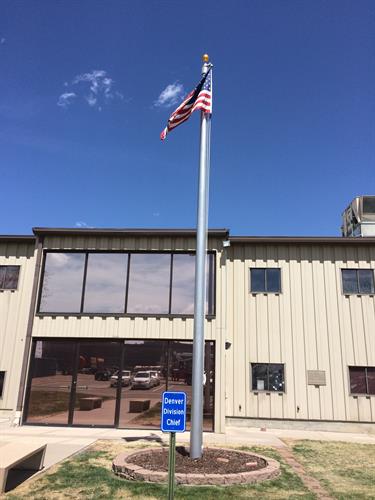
x,y
311,325
14,313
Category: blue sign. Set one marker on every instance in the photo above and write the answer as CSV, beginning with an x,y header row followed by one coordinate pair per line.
x,y
173,412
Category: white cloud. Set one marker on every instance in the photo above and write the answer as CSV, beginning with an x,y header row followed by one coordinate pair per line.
x,y
96,88
81,223
66,99
170,95
2,41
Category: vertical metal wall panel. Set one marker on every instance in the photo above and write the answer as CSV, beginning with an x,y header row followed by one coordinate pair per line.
x,y
311,325
14,313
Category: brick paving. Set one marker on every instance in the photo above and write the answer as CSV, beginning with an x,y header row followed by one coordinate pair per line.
x,y
310,482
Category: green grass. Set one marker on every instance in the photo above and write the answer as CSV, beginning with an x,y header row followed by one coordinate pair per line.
x,y
346,470
89,476
51,402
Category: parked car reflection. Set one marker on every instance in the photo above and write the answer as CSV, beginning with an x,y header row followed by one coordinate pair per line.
x,y
125,378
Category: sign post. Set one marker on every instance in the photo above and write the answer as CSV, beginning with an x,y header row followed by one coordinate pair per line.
x,y
173,419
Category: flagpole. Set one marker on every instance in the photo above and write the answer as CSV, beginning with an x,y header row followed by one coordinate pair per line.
x,y
196,434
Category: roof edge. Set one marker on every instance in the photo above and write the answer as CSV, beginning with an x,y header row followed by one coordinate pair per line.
x,y
340,240
51,231
17,238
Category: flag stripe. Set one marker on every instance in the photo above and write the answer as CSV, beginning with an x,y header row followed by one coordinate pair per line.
x,y
199,98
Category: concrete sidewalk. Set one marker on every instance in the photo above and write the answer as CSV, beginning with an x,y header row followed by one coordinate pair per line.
x,y
63,442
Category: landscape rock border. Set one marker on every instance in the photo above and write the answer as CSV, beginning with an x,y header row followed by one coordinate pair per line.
x,y
123,467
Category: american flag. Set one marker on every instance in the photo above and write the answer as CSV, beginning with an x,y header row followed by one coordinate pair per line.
x,y
199,98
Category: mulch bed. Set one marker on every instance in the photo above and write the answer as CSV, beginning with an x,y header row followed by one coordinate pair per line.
x,y
213,461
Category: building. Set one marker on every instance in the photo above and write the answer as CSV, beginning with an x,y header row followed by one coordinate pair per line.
x,y
96,323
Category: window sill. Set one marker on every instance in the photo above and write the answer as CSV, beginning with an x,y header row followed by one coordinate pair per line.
x,y
208,317
347,295
265,293
361,395
268,393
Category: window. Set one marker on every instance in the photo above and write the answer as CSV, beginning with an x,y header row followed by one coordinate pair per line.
x,y
141,283
62,282
357,281
149,282
362,380
2,378
265,280
267,377
105,283
9,277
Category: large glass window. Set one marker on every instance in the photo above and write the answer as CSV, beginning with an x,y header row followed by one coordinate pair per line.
x,y
183,283
265,280
62,282
105,283
267,377
149,283
362,379
9,277
51,382
123,283
358,281
113,382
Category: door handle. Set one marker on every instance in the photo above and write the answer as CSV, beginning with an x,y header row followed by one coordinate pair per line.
x,y
82,386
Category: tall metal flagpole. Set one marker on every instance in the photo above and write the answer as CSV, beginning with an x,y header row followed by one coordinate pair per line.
x,y
196,436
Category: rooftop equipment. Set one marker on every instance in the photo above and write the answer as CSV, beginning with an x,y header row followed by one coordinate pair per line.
x,y
358,219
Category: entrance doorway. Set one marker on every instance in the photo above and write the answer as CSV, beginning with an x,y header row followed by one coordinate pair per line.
x,y
115,383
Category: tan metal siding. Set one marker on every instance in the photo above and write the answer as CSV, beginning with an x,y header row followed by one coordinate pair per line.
x,y
14,312
311,325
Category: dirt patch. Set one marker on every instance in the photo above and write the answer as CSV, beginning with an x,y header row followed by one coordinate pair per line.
x,y
213,461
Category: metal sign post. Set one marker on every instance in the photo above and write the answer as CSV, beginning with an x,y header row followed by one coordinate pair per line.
x,y
173,419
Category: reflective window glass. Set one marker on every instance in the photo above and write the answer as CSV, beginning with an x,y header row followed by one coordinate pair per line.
x,y
149,283
62,282
366,280
105,283
273,280
357,380
371,380
2,378
183,284
268,377
260,377
51,371
266,280
258,280
349,281
358,281
276,377
9,277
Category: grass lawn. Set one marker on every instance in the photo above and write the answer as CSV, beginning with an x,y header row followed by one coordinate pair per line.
x,y
89,476
346,470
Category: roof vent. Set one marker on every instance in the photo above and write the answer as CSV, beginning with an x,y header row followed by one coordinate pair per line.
x,y
358,219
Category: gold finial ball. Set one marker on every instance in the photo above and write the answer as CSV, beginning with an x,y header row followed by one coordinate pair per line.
x,y
205,58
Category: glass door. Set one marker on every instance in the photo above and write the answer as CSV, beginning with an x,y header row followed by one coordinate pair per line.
x,y
49,395
96,383
145,365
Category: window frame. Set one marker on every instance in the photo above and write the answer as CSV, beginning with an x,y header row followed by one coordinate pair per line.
x,y
356,394
371,294
267,391
265,292
211,284
18,277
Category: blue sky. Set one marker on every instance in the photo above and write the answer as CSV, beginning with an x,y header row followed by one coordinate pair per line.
x,y
82,107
